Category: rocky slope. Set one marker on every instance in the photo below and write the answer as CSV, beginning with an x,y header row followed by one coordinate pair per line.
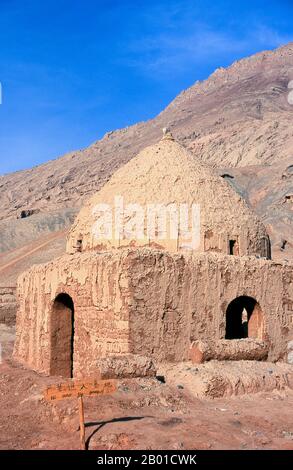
x,y
239,120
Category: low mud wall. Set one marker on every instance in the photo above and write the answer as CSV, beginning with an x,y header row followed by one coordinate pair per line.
x,y
8,305
232,350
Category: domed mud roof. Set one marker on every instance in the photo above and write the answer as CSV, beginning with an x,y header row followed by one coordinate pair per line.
x,y
161,178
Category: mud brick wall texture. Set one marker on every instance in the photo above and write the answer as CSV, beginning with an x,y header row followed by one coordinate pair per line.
x,y
8,305
146,302
167,173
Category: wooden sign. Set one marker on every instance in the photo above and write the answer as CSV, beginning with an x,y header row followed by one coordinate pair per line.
x,y
80,388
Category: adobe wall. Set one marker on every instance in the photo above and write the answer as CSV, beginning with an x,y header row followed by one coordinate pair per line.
x,y
178,299
100,294
8,305
147,302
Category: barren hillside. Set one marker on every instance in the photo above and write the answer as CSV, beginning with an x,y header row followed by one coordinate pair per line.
x,y
239,120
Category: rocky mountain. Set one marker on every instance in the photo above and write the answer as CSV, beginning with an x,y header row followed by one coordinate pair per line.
x,y
239,120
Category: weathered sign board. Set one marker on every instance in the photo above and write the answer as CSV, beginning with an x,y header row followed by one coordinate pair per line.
x,y
78,389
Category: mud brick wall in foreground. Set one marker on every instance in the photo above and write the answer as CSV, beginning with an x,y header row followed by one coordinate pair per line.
x,y
146,302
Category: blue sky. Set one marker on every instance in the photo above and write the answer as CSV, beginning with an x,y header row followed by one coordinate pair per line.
x,y
73,70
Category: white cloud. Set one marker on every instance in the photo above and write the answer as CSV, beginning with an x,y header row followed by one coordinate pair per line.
x,y
196,43
270,37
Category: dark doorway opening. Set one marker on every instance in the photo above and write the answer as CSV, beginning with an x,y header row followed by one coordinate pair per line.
x,y
62,336
233,247
244,318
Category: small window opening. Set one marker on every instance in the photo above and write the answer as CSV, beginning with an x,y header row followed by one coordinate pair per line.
x,y
79,245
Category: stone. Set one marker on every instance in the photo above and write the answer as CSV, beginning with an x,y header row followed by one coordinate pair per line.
x,y
27,213
126,367
290,357
242,349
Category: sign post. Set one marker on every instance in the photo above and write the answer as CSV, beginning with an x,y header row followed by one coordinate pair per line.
x,y
81,423
79,389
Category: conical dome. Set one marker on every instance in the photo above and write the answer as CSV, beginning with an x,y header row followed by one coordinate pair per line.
x,y
160,179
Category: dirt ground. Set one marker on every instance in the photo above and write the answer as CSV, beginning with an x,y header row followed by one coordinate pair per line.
x,y
142,414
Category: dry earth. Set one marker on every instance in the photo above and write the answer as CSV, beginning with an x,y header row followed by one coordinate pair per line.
x,y
143,414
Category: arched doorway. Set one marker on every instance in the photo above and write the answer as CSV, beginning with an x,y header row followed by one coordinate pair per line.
x,y
244,319
62,336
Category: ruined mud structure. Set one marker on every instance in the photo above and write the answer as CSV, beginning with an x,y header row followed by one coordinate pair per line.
x,y
8,305
156,296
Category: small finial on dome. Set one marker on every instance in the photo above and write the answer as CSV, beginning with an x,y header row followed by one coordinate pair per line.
x,y
167,134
